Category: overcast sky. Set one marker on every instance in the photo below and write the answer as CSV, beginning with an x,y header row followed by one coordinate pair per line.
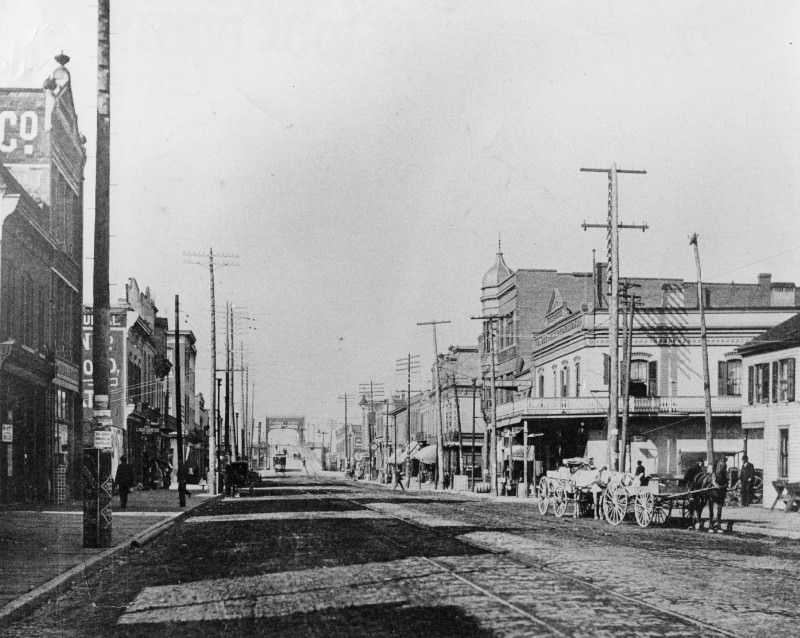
x,y
362,158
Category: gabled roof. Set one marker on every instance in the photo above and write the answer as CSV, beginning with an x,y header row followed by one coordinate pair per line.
x,y
781,337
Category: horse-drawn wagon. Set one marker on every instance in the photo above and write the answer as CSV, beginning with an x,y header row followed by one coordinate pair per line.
x,y
575,483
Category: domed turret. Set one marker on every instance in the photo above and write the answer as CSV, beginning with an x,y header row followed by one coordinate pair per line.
x,y
498,273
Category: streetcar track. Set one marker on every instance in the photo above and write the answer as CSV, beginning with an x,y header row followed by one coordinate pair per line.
x,y
528,562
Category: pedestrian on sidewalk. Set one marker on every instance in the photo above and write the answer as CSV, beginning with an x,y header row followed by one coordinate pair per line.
x,y
747,477
157,476
124,480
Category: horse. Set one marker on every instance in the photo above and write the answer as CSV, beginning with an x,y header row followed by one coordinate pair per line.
x,y
707,489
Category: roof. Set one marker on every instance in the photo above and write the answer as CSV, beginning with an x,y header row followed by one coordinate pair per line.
x,y
498,273
781,337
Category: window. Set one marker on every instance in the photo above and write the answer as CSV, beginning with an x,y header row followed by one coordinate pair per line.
x,y
577,378
783,453
555,382
729,380
644,378
541,384
564,382
606,369
774,381
758,383
786,380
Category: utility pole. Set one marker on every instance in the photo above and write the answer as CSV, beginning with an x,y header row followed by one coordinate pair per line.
x,y
493,439
439,424
613,226
227,393
232,379
214,475
373,389
178,412
408,364
704,344
627,341
458,423
472,470
98,482
346,398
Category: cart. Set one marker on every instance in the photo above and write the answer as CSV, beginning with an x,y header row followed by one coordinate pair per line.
x,y
572,484
652,504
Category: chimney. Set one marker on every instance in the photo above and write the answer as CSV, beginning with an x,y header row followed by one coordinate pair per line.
x,y
765,279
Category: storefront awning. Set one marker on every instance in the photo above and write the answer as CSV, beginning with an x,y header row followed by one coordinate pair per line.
x,y
426,455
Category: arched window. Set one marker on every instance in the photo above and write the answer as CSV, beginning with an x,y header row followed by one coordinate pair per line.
x,y
565,381
541,383
577,378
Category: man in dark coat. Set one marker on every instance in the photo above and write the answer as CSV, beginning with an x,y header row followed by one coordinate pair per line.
x,y
124,480
747,477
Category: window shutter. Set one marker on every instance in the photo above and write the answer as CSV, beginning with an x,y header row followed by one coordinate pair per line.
x,y
652,378
722,378
750,383
790,380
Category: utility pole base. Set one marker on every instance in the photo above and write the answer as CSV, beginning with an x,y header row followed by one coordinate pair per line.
x,y
98,486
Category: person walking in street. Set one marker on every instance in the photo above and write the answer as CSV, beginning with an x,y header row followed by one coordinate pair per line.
x,y
124,480
397,479
747,477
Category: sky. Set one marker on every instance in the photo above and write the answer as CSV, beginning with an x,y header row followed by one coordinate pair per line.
x,y
361,159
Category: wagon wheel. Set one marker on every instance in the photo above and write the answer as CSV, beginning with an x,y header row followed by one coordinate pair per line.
x,y
615,503
661,511
541,494
560,501
643,507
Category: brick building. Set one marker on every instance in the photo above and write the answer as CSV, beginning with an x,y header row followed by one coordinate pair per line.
x,y
42,159
551,356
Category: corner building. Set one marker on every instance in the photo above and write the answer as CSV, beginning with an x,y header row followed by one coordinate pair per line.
x,y
42,159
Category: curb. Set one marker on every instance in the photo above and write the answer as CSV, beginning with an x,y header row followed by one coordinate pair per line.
x,y
25,603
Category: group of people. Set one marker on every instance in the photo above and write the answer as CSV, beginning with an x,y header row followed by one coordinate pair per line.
x,y
156,474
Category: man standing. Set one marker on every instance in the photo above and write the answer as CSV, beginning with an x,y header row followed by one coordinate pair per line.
x,y
124,480
747,476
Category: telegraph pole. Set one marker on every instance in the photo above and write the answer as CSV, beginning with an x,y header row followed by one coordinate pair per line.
x,y
408,364
613,226
704,344
98,482
493,439
347,448
627,340
373,389
439,424
178,401
214,476
472,470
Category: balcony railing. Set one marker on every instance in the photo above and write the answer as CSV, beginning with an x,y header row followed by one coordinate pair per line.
x,y
598,405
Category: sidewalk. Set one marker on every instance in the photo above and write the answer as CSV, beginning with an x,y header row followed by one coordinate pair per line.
x,y
41,548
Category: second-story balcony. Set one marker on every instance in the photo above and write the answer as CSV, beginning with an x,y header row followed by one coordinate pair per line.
x,y
597,405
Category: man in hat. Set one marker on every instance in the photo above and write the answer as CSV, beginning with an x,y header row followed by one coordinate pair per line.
x,y
747,477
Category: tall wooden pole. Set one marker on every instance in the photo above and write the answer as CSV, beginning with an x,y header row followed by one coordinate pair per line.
x,y
213,442
178,411
98,482
704,344
612,225
472,470
439,424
